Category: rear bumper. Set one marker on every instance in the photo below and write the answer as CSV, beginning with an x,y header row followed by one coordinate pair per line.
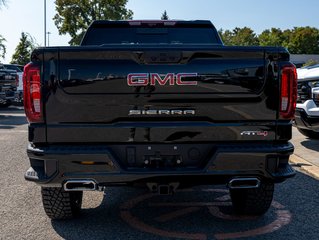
x,y
52,166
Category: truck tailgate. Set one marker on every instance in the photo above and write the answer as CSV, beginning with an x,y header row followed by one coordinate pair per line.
x,y
160,95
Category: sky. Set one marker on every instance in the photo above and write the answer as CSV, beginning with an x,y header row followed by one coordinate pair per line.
x,y
28,16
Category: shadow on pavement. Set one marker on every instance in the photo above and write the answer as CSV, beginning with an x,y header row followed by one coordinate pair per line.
x,y
198,213
311,144
12,117
12,109
10,122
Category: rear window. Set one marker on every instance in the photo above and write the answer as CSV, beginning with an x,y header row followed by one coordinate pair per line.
x,y
144,35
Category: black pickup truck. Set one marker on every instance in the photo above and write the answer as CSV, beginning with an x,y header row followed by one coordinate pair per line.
x,y
162,104
8,86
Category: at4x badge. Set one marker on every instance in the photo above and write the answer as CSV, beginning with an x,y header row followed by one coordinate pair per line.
x,y
254,133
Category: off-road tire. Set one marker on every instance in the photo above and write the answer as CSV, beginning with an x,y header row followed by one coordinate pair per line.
x,y
59,204
254,201
309,133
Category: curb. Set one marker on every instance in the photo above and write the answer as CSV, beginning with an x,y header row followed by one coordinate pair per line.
x,y
304,165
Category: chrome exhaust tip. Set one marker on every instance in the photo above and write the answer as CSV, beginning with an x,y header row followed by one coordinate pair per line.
x,y
80,185
244,183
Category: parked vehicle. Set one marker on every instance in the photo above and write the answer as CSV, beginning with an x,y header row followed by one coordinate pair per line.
x,y
19,69
307,110
162,104
8,86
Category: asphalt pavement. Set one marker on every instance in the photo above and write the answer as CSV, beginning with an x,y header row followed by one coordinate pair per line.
x,y
130,213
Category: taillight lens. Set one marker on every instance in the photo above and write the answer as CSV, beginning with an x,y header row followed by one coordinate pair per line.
x,y
32,93
288,95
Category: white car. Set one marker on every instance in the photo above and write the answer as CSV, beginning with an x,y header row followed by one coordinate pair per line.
x,y
307,109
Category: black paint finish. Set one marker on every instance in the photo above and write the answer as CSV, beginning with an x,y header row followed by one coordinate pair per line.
x,y
87,99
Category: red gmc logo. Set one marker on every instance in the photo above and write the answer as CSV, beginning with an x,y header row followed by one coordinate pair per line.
x,y
144,79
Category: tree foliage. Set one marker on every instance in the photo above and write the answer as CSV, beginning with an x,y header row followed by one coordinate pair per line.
x,y
304,40
273,37
23,50
227,37
3,48
299,40
2,3
164,16
74,16
239,37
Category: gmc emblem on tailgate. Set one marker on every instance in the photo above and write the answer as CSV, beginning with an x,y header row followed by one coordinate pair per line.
x,y
144,79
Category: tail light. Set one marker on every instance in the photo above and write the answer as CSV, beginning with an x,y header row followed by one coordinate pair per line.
x,y
32,93
288,94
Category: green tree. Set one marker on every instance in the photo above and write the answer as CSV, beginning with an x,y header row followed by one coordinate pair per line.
x,y
245,37
303,40
23,50
273,37
2,3
239,37
74,16
3,48
226,36
164,16
299,40
286,35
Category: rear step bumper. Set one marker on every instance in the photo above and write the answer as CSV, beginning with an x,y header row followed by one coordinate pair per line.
x,y
55,165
